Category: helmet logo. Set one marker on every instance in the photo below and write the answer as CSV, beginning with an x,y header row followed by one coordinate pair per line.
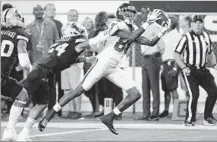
x,y
127,13
17,14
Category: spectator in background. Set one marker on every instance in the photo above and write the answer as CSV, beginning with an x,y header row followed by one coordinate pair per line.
x,y
151,63
72,15
169,76
50,12
43,35
71,77
184,27
92,94
88,23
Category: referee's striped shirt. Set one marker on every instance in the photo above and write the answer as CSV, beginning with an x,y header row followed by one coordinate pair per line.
x,y
194,48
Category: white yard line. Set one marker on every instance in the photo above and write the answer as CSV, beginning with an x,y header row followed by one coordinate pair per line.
x,y
63,133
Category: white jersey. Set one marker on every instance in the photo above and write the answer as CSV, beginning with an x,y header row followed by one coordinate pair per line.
x,y
114,46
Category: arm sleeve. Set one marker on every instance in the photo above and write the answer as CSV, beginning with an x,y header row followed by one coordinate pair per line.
x,y
24,60
23,56
181,45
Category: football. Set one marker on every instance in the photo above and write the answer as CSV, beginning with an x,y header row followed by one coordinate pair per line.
x,y
163,17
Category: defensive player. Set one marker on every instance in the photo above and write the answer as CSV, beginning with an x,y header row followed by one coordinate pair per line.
x,y
106,65
13,51
60,56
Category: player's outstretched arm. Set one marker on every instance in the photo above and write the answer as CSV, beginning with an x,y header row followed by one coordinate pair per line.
x,y
145,41
152,17
82,46
89,44
23,55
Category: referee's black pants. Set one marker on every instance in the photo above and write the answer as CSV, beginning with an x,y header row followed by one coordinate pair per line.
x,y
204,78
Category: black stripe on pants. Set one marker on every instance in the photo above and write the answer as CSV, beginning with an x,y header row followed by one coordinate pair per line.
x,y
205,79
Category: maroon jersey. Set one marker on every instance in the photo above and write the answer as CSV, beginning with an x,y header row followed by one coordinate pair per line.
x,y
62,54
9,41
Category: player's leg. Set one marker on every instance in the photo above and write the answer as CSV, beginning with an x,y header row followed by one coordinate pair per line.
x,y
16,91
123,80
167,97
41,97
37,85
95,73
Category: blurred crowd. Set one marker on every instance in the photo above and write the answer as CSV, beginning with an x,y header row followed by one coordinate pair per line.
x,y
157,64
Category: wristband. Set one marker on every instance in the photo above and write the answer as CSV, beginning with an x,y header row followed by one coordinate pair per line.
x,y
175,69
160,34
57,107
184,68
145,25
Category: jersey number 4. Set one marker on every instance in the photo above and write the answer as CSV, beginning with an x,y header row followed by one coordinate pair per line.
x,y
7,48
60,48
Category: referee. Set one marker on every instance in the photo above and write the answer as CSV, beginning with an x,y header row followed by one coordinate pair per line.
x,y
191,55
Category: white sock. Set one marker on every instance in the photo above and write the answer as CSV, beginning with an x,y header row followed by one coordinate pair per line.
x,y
116,111
28,125
15,113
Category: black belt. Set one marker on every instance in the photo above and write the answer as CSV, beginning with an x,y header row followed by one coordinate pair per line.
x,y
195,67
158,54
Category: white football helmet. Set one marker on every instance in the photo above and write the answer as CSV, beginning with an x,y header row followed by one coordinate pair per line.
x,y
11,17
73,29
126,12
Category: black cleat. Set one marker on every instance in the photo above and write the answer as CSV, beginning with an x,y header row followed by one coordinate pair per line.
x,y
189,124
105,120
43,123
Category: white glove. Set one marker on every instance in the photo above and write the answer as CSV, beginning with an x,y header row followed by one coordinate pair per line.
x,y
153,16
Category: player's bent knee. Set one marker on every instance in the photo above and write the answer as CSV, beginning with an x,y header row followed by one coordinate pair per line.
x,y
23,95
134,92
21,99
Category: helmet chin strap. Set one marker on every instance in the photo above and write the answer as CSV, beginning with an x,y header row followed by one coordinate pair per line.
x,y
128,21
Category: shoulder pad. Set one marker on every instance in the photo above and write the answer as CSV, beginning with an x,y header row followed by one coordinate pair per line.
x,y
121,24
22,34
22,31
